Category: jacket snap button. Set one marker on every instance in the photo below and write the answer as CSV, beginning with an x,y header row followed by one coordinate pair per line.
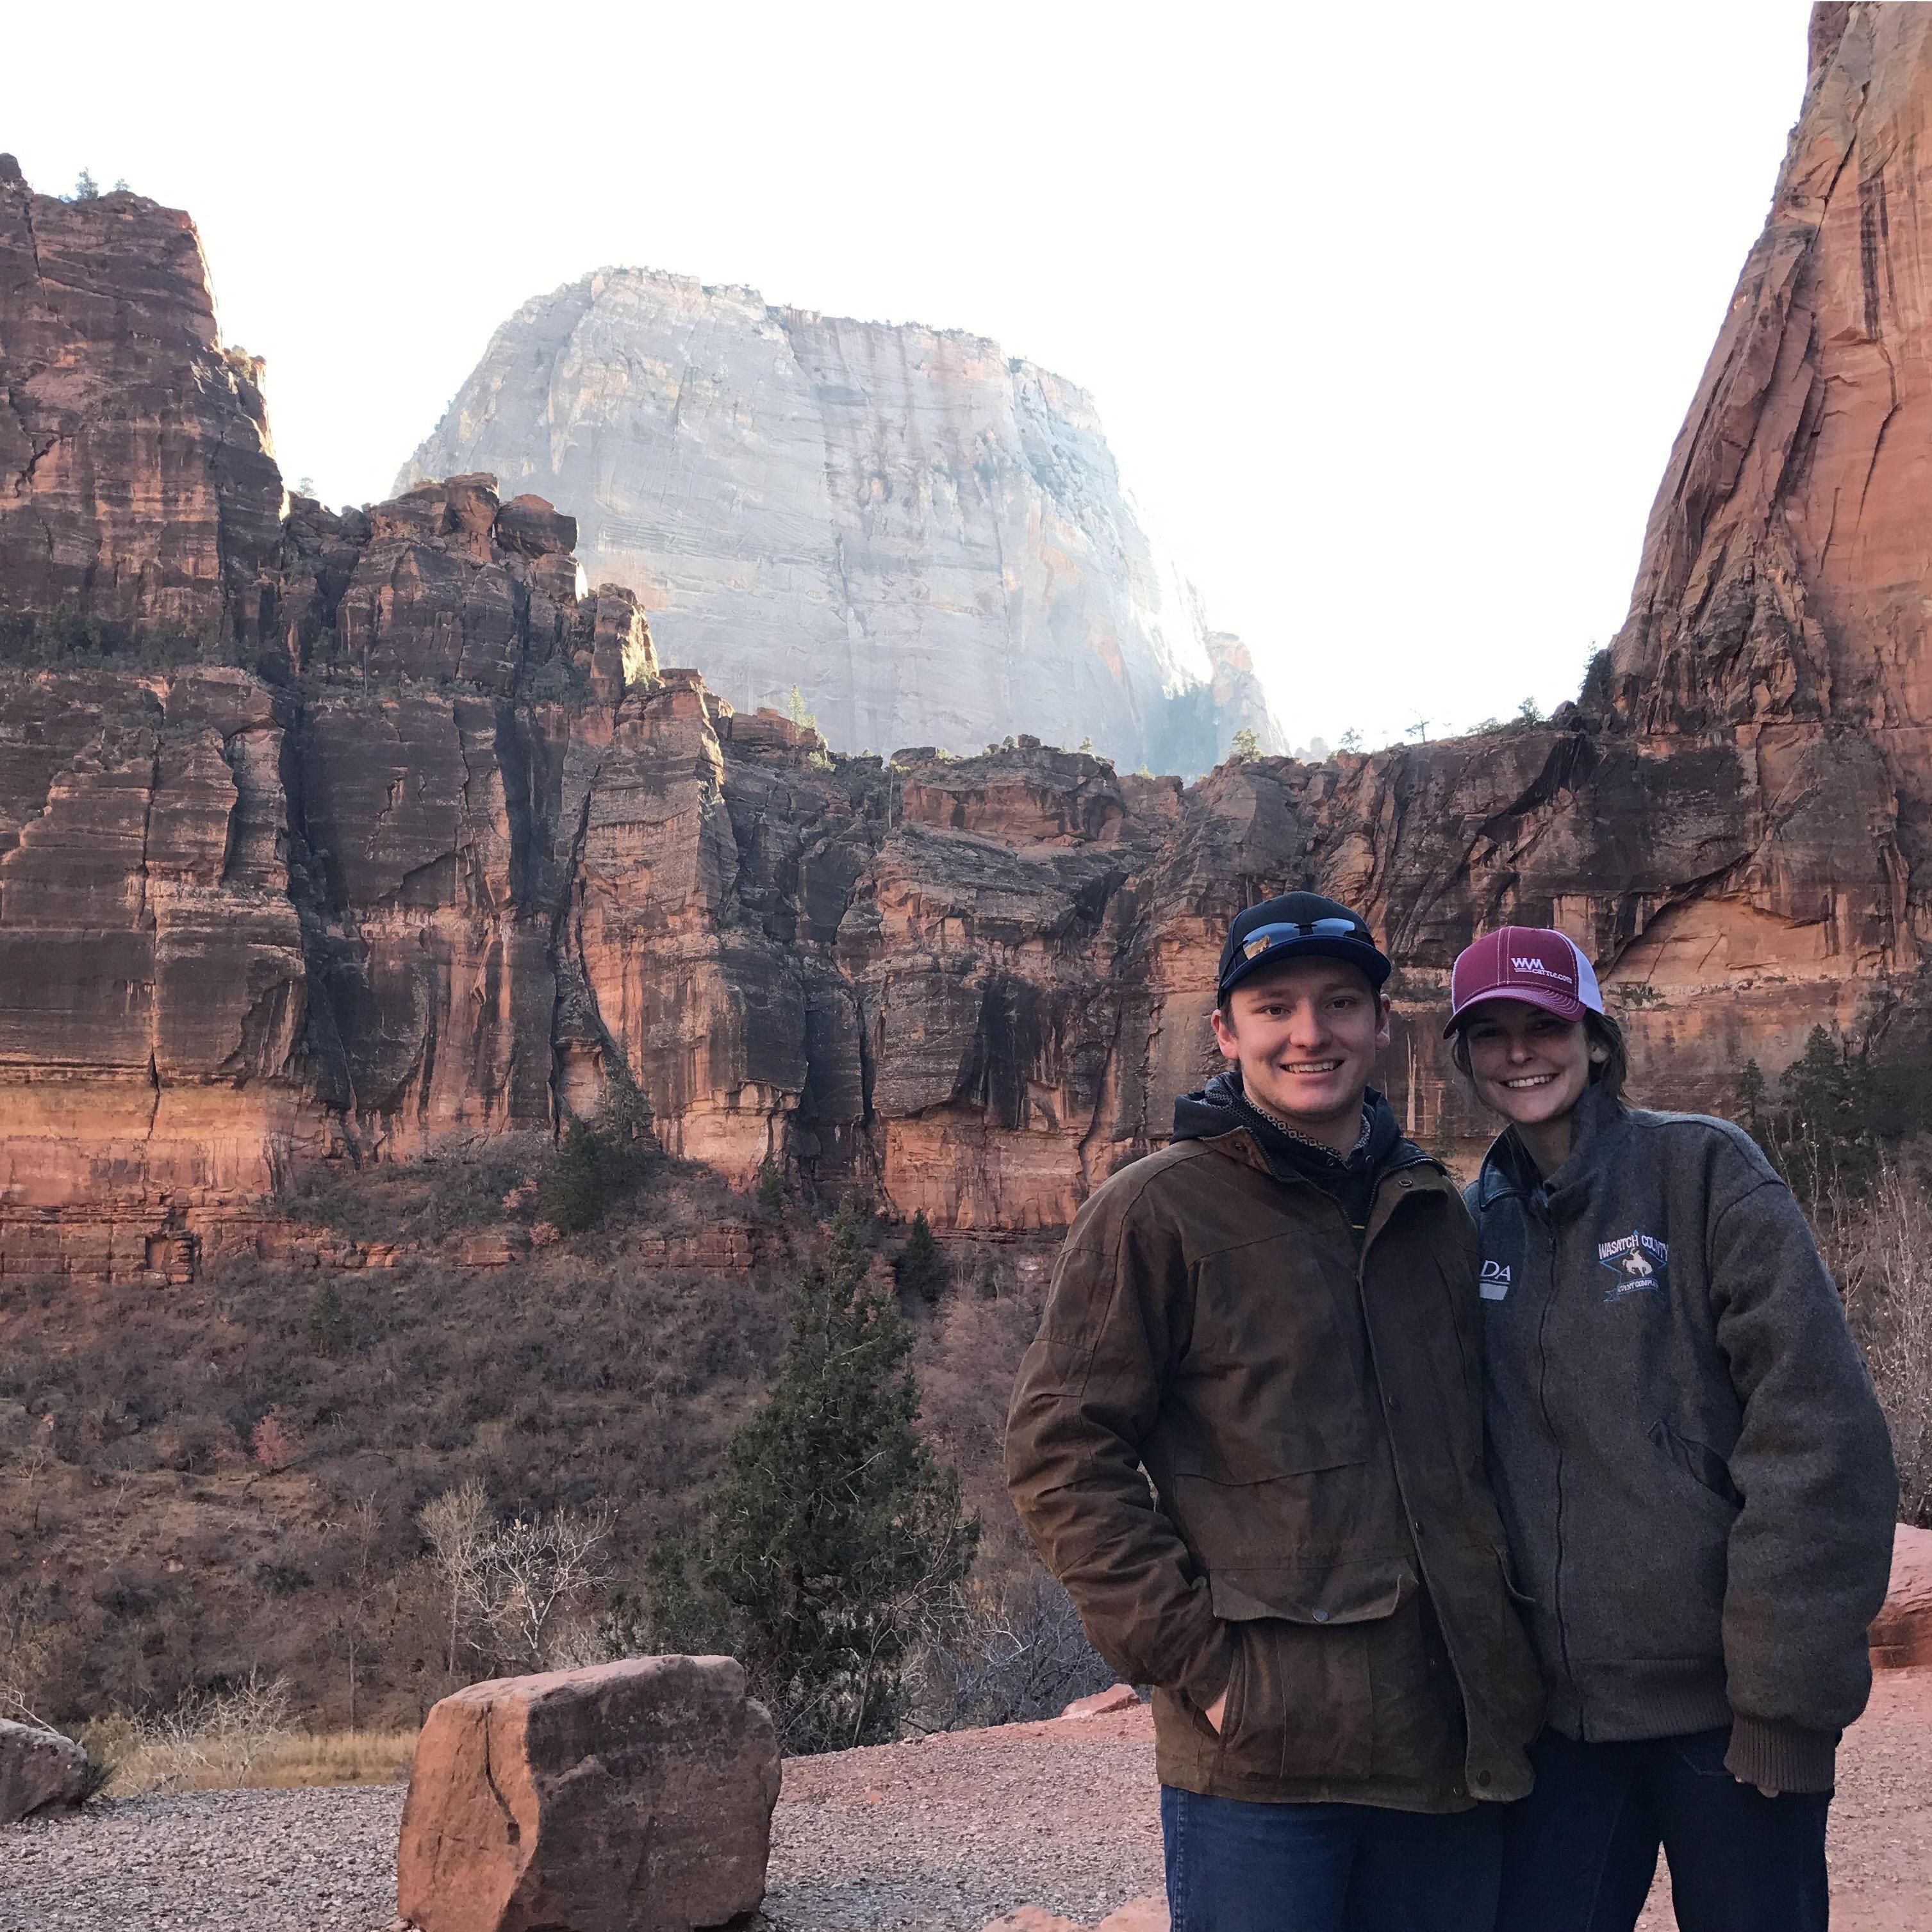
x,y
1321,1616
1482,1777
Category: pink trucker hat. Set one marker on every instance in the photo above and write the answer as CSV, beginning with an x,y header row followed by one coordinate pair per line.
x,y
1530,963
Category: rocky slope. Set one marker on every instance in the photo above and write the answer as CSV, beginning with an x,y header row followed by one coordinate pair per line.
x,y
927,538
447,857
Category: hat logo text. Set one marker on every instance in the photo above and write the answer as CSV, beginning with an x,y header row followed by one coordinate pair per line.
x,y
1533,964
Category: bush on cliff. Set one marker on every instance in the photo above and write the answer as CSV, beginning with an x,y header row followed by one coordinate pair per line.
x,y
64,640
592,1170
919,1268
834,1534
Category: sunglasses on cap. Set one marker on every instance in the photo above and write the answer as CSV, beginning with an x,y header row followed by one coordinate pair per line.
x,y
1263,937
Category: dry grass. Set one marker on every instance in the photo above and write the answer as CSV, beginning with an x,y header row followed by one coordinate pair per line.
x,y
338,1757
295,1758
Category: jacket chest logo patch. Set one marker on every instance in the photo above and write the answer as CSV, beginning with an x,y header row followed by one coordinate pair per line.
x,y
1637,1260
1495,1280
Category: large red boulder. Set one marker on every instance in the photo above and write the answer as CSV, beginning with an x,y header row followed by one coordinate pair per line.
x,y
1901,1633
630,1797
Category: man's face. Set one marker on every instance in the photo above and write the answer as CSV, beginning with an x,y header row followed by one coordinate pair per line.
x,y
1305,1034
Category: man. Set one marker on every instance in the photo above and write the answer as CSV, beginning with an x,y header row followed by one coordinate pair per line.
x,y
1248,1441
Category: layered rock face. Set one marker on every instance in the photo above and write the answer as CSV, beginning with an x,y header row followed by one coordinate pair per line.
x,y
1781,609
929,540
137,483
453,858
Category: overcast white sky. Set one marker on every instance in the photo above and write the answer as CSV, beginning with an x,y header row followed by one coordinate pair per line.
x,y
1391,311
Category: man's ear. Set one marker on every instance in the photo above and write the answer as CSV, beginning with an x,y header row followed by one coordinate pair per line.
x,y
1224,1036
1383,1010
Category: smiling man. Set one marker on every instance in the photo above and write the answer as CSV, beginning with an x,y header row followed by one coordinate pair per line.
x,y
1248,1441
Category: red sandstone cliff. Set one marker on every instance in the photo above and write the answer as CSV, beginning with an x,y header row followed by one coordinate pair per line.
x,y
447,857
137,483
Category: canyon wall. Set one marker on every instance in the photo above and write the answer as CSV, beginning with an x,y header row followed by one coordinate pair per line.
x,y
440,854
928,539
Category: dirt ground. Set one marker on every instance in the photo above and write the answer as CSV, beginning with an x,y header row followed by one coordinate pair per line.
x,y
941,1836
1065,1814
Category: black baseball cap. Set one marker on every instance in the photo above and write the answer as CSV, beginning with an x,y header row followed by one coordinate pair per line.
x,y
1299,926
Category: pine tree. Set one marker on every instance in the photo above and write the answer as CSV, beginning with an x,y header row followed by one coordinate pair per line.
x,y
833,1527
771,1187
920,1269
325,1318
573,1193
1751,1098
1825,1135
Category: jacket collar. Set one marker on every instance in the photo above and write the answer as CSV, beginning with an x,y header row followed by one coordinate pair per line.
x,y
1209,1116
1598,1124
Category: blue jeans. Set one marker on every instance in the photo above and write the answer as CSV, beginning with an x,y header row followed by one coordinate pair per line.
x,y
1581,1850
1234,1866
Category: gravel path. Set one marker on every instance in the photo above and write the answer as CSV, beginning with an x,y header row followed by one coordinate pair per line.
x,y
312,1861
940,1836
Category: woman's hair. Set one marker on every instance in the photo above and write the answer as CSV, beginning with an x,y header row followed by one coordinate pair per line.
x,y
1610,1073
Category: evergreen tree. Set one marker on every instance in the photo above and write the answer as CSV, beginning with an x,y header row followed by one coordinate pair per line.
x,y
771,1187
1824,1138
1751,1102
573,1195
833,1529
325,1318
920,1269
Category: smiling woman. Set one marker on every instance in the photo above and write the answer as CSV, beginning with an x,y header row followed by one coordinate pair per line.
x,y
1693,1474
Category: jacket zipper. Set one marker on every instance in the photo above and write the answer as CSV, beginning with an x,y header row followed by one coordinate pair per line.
x,y
1538,1213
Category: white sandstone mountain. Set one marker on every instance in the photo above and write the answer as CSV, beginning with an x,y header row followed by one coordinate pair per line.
x,y
929,541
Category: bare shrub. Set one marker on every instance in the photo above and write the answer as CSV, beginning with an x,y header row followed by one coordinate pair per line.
x,y
518,1594
1013,1651
455,1524
1880,1248
535,1576
209,1740
27,1645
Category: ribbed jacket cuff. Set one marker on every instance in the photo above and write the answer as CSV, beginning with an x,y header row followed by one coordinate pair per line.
x,y
1778,1757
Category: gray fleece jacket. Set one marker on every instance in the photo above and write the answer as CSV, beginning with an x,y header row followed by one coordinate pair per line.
x,y
1694,1474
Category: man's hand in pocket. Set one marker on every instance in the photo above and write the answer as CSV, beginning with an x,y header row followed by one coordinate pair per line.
x,y
1215,1712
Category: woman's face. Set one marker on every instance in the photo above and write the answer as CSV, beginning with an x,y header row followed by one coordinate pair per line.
x,y
1528,1066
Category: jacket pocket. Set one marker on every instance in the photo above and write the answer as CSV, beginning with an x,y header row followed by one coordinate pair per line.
x,y
1701,1463
1511,1588
1301,1705
1235,1525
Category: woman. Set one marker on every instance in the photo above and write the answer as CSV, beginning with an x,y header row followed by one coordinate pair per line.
x,y
1694,1473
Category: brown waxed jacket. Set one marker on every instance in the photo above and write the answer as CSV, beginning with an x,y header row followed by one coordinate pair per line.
x,y
1254,1459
